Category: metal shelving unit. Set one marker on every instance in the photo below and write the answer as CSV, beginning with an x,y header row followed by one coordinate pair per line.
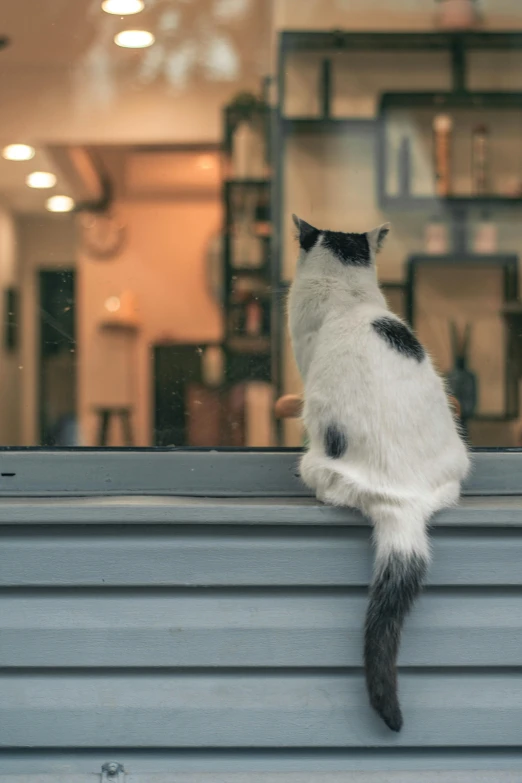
x,y
455,207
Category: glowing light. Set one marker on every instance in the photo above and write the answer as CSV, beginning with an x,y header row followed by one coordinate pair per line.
x,y
205,162
123,7
18,152
112,304
41,180
221,60
60,204
134,39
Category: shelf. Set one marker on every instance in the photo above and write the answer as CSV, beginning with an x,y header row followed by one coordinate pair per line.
x,y
408,203
255,182
456,259
247,344
462,99
327,124
417,41
119,326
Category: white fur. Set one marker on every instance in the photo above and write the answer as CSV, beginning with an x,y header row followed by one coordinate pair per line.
x,y
405,458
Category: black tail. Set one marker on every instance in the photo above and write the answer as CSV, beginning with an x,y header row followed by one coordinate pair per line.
x,y
396,585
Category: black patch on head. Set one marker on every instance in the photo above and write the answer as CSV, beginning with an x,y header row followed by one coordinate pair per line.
x,y
308,235
392,594
350,249
335,443
399,337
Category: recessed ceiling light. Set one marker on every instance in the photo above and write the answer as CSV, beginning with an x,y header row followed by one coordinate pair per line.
x,y
60,204
41,179
123,7
134,39
18,152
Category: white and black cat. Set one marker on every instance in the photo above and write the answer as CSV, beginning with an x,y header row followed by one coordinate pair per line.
x,y
381,434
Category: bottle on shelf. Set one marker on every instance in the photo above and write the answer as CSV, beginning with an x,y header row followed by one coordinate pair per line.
x,y
248,151
480,160
262,224
442,133
253,318
485,239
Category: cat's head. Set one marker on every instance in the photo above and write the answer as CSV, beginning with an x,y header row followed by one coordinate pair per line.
x,y
335,255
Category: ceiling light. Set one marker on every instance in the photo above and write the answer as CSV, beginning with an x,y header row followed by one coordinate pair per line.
x,y
134,39
60,204
41,179
122,7
18,152
112,304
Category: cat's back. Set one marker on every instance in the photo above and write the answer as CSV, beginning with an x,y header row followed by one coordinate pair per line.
x,y
367,359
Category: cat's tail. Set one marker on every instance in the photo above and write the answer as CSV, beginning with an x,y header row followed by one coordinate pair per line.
x,y
402,555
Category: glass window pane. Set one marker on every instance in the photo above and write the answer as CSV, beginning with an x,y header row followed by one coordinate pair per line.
x,y
153,152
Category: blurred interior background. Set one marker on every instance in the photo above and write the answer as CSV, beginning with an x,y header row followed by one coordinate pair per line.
x,y
152,154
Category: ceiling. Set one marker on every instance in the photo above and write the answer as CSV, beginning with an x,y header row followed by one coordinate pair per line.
x,y
47,32
14,191
50,40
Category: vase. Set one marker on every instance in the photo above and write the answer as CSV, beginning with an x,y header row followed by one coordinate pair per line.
x,y
457,14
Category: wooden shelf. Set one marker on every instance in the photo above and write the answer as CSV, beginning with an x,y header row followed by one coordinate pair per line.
x,y
411,202
248,182
455,99
247,344
396,41
119,326
327,124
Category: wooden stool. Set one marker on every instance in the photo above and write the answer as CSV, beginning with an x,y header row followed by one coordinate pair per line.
x,y
105,415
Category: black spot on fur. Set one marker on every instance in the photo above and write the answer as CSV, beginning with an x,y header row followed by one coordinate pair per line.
x,y
334,442
350,249
308,235
392,594
399,337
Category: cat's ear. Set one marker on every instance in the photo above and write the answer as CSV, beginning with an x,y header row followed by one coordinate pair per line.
x,y
377,236
306,234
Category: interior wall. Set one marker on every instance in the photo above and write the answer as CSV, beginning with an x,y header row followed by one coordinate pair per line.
x,y
382,14
9,364
163,264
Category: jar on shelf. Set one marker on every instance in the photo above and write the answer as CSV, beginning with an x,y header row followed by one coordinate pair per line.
x,y
436,237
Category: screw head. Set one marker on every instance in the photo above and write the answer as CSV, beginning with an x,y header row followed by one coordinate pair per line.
x,y
112,768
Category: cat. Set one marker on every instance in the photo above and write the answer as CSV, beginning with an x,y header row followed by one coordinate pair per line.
x,y
381,436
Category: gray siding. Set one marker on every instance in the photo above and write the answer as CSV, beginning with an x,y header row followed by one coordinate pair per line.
x,y
204,641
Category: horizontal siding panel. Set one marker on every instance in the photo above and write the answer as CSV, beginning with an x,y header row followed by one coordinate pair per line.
x,y
303,511
270,630
287,777
188,711
224,556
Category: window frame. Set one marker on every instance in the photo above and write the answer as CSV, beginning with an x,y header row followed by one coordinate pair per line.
x,y
218,473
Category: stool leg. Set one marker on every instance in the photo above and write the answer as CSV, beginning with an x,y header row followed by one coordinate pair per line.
x,y
104,428
127,428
